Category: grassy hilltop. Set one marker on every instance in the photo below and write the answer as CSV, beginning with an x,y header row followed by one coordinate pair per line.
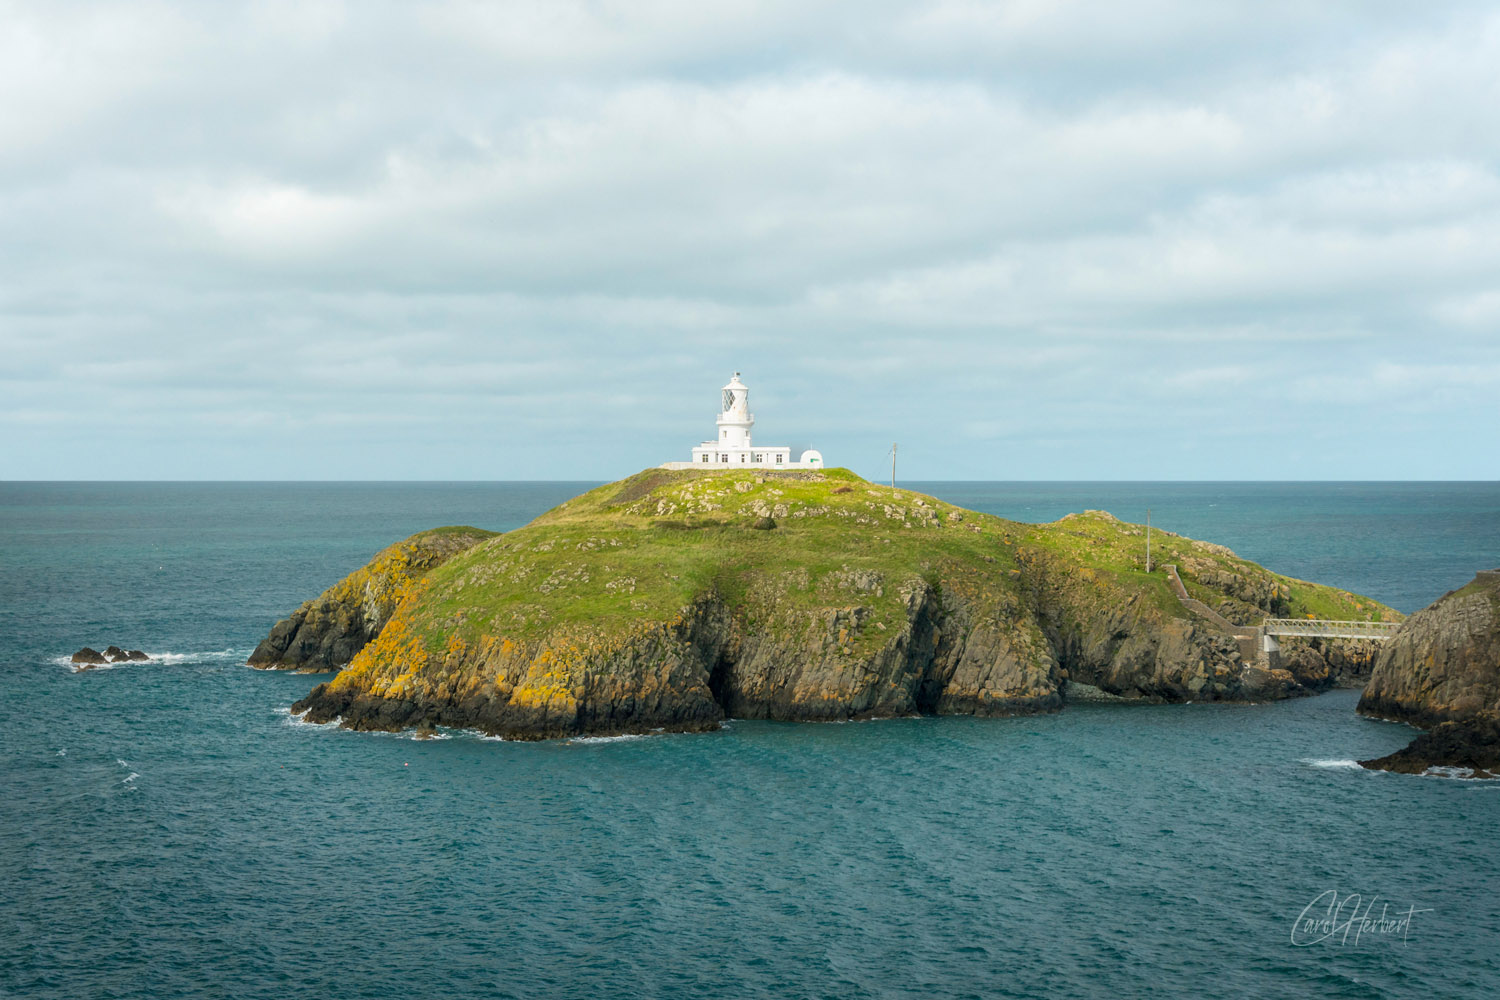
x,y
669,598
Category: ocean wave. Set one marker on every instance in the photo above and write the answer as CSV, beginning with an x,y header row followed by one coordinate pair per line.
x,y
1436,771
299,720
610,739
168,658
211,656
1333,764
1454,773
79,668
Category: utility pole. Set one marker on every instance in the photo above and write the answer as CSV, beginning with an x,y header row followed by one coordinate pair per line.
x,y
893,466
1148,539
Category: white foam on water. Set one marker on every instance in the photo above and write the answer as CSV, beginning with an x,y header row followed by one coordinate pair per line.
x,y
207,656
210,656
298,720
1452,773
82,668
1332,764
610,739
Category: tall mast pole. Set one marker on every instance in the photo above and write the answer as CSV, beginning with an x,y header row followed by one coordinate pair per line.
x,y
893,466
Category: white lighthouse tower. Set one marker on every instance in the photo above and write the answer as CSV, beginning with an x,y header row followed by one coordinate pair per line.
x,y
732,446
735,421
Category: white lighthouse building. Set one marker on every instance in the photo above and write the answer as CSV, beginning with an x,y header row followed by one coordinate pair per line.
x,y
732,446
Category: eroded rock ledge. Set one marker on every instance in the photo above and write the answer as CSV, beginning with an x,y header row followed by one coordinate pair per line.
x,y
1468,748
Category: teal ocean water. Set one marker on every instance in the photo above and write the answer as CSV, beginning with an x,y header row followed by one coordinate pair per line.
x,y
167,830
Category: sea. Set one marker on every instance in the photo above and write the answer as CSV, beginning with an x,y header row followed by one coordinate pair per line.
x,y
168,829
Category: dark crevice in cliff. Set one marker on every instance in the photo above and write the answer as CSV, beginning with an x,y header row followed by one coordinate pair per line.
x,y
720,673
926,634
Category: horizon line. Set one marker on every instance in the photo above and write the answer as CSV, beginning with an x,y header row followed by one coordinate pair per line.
x,y
877,482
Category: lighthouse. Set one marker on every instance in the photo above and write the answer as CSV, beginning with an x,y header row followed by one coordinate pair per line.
x,y
735,420
732,446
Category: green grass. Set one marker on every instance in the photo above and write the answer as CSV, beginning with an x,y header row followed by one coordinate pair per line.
x,y
1478,585
643,549
1311,600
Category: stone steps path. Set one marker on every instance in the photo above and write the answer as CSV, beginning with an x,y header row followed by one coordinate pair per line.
x,y
1247,636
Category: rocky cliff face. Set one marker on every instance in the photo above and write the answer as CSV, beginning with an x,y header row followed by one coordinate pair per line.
x,y
709,663
663,603
948,657
1442,671
1321,664
1444,664
326,632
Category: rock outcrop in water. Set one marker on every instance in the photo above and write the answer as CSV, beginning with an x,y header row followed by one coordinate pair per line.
x,y
656,603
1444,664
326,633
88,658
1467,748
1442,671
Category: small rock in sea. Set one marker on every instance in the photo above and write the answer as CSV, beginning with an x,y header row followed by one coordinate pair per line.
x,y
88,657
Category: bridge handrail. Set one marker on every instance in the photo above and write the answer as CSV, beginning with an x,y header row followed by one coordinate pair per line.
x,y
1328,629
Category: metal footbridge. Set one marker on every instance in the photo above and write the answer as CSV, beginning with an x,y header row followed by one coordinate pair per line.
x,y
1256,641
1318,628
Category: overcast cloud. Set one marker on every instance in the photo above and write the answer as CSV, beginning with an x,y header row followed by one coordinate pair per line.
x,y
1056,240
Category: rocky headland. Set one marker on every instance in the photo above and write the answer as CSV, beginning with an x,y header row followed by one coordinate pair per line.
x,y
1442,672
326,632
671,600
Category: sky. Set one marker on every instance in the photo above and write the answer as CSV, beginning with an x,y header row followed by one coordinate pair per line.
x,y
1039,239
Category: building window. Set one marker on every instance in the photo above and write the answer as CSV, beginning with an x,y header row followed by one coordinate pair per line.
x,y
759,459
778,459
705,457
742,456
723,435
723,458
